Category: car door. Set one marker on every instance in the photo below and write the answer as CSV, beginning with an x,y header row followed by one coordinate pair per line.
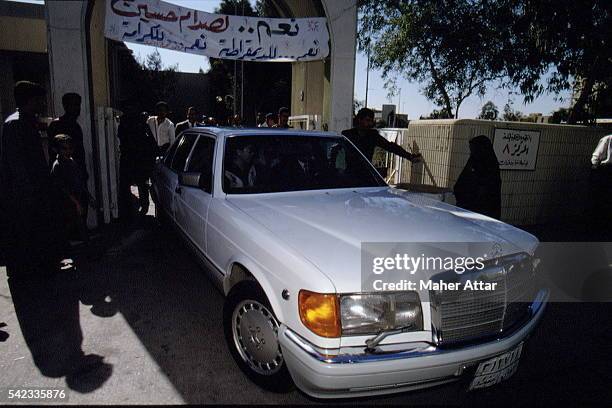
x,y
163,178
191,203
176,164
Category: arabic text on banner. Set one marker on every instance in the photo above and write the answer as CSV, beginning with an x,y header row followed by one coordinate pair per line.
x,y
166,25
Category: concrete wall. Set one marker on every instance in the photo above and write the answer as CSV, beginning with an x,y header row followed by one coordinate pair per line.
x,y
23,45
307,88
22,27
23,34
22,66
342,22
69,66
98,50
325,88
556,188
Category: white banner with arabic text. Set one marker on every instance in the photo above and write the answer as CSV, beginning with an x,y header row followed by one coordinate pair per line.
x,y
165,25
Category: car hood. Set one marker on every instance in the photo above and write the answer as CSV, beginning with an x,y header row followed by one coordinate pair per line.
x,y
328,227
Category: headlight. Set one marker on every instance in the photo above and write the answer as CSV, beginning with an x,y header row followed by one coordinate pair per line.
x,y
319,312
362,314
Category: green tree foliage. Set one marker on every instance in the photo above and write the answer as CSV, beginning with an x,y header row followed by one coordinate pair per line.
x,y
357,104
560,116
489,111
145,80
439,114
560,45
159,79
511,115
457,47
447,45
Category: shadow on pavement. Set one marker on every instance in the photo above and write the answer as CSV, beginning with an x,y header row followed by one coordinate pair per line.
x,y
3,335
150,278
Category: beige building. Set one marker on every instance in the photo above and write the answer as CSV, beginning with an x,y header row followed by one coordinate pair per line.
x,y
557,187
63,44
23,50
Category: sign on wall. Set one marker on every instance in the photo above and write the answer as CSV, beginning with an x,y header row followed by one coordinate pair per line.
x,y
516,149
165,25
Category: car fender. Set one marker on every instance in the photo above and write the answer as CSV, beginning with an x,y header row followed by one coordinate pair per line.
x,y
259,276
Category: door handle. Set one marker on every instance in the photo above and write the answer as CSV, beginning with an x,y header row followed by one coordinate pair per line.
x,y
178,190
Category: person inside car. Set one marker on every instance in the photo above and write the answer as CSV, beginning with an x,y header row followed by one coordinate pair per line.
x,y
240,171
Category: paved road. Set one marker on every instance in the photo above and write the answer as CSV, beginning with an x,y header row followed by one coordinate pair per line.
x,y
149,309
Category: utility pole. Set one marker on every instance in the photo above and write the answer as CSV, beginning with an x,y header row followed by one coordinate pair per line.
x,y
242,80
398,108
399,100
367,79
235,76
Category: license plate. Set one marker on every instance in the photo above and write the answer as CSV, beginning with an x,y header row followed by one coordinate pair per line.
x,y
497,369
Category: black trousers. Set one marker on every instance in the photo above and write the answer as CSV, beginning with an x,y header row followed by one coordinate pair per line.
x,y
48,314
143,195
601,199
127,178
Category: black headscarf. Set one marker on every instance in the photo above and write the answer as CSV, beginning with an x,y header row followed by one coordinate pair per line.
x,y
478,188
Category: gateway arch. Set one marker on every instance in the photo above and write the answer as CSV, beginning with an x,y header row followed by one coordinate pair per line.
x,y
79,61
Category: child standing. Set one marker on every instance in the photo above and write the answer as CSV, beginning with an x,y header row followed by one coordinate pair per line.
x,y
69,182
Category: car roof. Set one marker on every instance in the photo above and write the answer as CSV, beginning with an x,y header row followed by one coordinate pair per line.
x,y
231,131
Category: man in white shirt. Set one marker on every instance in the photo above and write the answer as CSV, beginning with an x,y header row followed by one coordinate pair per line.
x,y
270,121
193,120
601,188
602,156
161,127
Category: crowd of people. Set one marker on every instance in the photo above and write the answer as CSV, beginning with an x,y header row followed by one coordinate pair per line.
x,y
142,138
44,200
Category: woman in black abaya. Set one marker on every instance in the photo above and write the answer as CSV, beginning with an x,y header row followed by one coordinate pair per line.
x,y
478,188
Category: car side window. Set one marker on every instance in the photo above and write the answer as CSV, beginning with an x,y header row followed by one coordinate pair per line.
x,y
201,161
170,152
182,152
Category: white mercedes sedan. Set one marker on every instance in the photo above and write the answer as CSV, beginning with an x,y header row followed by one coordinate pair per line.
x,y
285,223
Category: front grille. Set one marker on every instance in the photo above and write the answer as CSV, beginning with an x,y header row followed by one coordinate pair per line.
x,y
460,316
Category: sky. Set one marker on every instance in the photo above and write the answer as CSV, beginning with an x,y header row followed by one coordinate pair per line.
x,y
410,99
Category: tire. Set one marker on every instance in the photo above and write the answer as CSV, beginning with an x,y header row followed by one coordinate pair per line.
x,y
259,357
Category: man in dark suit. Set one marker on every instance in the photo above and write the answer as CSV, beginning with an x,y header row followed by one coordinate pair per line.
x,y
35,242
366,138
28,203
193,117
283,119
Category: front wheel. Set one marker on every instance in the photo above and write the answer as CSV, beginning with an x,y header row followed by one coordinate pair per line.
x,y
251,333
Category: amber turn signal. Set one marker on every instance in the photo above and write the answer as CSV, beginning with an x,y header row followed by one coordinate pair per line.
x,y
320,313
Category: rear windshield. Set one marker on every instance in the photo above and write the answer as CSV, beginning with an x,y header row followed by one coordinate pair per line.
x,y
279,163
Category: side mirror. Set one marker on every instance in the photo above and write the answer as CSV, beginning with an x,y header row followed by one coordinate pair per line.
x,y
195,179
190,179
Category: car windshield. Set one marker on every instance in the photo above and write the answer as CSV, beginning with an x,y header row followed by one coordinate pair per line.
x,y
282,162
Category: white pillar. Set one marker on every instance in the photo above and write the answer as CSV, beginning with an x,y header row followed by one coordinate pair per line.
x,y
342,21
67,30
